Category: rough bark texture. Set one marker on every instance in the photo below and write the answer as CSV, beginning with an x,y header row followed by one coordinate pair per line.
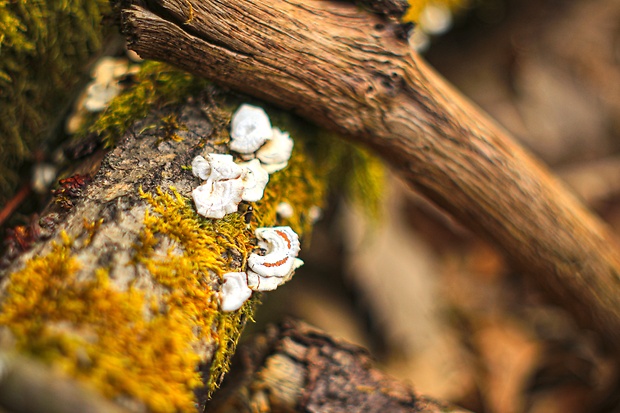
x,y
349,71
297,368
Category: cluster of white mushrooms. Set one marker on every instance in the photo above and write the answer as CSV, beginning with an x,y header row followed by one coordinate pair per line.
x,y
226,183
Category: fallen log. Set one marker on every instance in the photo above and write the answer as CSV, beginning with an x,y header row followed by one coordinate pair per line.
x,y
297,368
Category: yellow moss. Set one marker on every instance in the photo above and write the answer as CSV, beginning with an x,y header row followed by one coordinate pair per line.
x,y
417,6
158,85
101,335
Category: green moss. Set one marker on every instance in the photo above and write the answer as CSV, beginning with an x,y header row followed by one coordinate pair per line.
x,y
45,47
158,85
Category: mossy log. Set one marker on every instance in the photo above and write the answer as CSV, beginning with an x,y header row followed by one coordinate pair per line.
x,y
121,291
298,368
352,72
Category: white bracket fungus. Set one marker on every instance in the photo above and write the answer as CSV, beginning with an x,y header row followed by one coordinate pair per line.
x,y
201,168
268,271
216,199
260,283
234,291
276,152
222,192
255,180
250,128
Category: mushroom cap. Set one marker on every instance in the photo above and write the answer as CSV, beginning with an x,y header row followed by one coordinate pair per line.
x,y
255,180
201,168
223,167
250,128
257,282
277,150
282,247
216,199
234,291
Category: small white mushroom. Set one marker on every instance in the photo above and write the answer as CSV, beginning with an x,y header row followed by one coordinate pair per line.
x,y
285,210
216,167
216,199
259,283
99,95
234,291
276,153
250,128
281,245
221,193
255,180
223,167
201,168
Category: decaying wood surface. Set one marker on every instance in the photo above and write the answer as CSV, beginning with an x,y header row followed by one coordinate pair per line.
x,y
297,368
350,71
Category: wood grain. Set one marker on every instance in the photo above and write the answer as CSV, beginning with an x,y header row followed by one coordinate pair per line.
x,y
349,71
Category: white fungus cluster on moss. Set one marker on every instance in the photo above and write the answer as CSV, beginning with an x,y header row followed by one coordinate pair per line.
x,y
265,272
254,137
228,183
281,246
267,150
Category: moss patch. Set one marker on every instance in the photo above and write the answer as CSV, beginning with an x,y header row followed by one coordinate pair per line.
x,y
44,47
126,353
158,85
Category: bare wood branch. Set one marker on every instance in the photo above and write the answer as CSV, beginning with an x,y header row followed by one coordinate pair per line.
x,y
349,71
297,368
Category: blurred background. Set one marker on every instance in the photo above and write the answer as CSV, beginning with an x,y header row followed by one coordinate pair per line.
x,y
434,304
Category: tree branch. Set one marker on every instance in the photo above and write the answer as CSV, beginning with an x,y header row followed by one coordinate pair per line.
x,y
349,71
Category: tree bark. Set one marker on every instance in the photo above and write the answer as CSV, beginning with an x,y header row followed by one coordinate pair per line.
x,y
297,368
351,72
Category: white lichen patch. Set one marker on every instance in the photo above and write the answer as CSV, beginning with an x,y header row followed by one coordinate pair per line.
x,y
281,246
254,179
276,153
234,291
250,128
